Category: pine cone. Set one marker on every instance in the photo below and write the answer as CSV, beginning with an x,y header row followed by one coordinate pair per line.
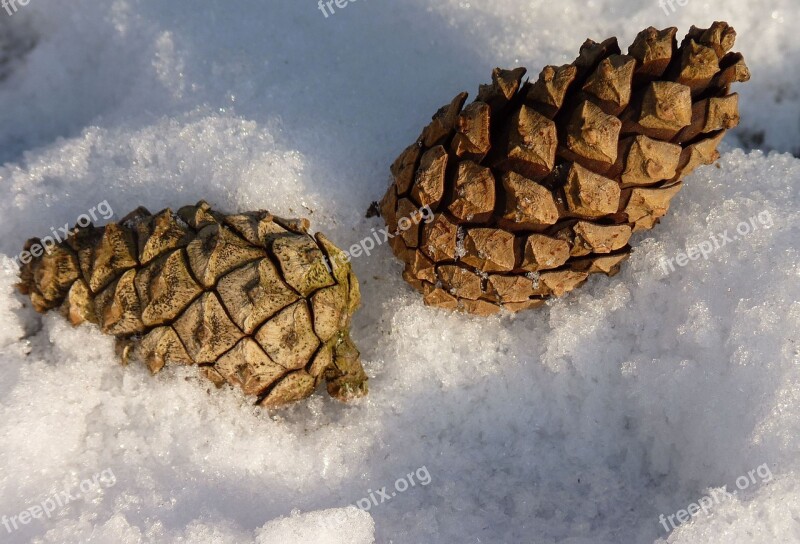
x,y
536,186
252,299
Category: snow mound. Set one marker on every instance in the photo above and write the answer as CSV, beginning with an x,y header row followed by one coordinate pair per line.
x,y
336,526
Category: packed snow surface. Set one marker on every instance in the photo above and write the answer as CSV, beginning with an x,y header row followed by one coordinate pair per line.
x,y
660,405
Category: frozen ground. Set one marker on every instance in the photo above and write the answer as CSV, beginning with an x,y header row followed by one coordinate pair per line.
x,y
579,423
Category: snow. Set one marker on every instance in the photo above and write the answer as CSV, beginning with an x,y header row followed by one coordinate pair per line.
x,y
582,422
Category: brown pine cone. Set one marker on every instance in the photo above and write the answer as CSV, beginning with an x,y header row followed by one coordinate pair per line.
x,y
537,185
251,298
